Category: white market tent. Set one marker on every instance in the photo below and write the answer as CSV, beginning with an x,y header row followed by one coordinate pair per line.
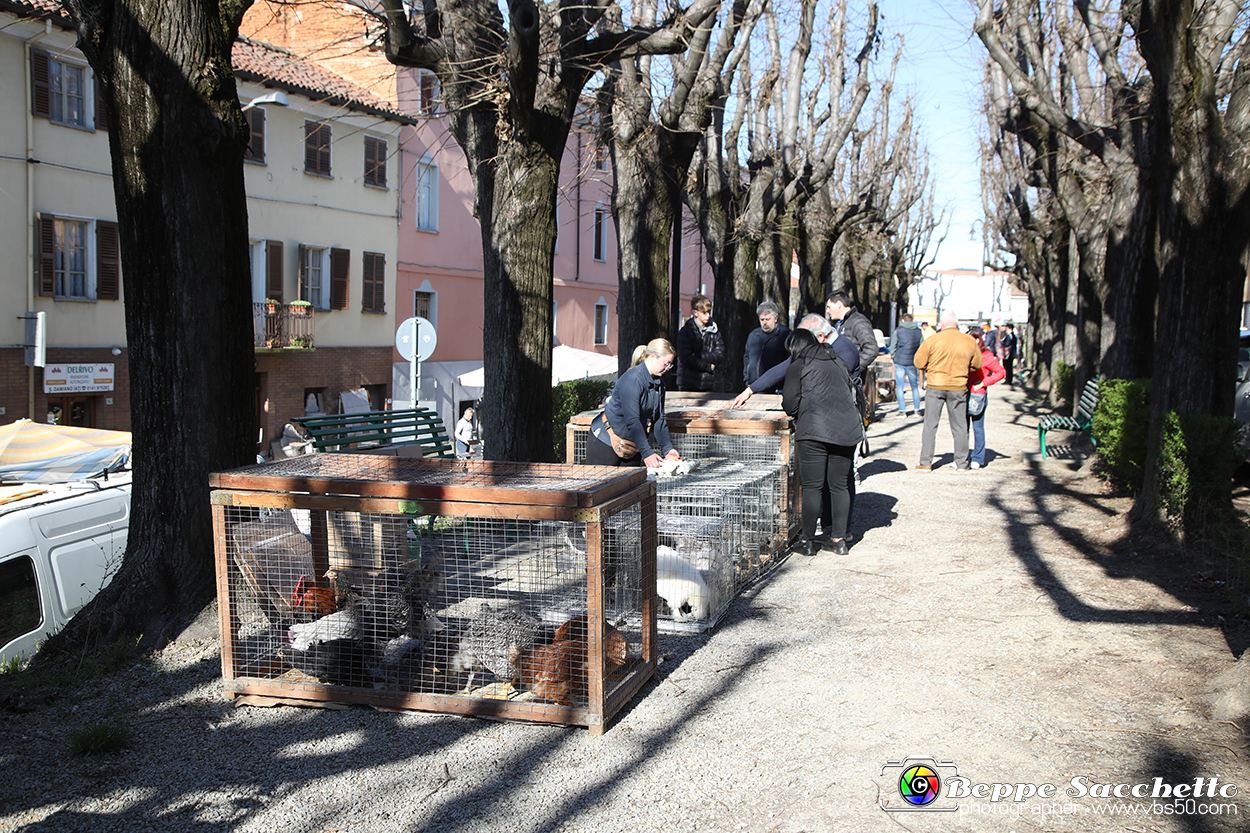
x,y
568,364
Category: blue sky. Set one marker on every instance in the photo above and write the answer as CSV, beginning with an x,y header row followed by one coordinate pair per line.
x,y
941,66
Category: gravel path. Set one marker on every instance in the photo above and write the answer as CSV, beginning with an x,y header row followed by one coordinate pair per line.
x,y
981,619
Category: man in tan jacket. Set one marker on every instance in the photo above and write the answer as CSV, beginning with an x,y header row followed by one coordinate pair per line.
x,y
946,358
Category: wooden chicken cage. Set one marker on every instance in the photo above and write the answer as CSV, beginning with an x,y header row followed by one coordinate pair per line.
x,y
513,591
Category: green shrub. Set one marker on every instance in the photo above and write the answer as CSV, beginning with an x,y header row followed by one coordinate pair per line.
x,y
1121,428
1065,380
568,400
1196,461
101,738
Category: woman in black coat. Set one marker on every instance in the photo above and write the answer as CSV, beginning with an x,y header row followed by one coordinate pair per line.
x,y
827,426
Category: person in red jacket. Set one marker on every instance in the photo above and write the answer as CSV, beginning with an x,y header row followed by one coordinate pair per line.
x,y
979,380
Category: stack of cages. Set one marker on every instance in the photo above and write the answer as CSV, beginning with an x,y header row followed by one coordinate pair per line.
x,y
730,518
514,591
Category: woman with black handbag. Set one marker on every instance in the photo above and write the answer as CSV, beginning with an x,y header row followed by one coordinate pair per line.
x,y
978,381
827,427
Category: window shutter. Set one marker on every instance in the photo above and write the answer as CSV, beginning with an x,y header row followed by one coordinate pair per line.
x,y
373,292
273,269
46,282
108,261
41,89
317,148
375,162
256,135
340,265
303,273
101,107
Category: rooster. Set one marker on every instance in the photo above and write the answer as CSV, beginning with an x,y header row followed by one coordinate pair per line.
x,y
311,601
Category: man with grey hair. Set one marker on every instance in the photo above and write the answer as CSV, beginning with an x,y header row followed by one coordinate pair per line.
x,y
766,346
825,334
946,358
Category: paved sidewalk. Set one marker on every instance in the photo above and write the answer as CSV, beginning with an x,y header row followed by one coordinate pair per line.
x,y
980,619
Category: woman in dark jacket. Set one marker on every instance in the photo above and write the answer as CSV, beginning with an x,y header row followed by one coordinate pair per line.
x,y
827,426
633,417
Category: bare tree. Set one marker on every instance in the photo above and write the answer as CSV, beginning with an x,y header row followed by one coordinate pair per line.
x,y
176,138
512,88
747,210
653,143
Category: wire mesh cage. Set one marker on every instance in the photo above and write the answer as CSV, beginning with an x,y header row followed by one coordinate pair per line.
x,y
507,590
760,441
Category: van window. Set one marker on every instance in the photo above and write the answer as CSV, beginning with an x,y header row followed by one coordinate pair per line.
x,y
19,598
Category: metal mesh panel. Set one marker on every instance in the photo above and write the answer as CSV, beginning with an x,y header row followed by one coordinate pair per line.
x,y
437,612
744,448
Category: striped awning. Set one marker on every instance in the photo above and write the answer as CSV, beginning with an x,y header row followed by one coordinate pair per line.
x,y
31,452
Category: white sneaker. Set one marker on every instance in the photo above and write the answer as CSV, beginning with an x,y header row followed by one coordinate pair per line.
x,y
975,464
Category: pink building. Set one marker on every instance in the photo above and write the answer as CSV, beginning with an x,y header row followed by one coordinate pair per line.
x,y
440,278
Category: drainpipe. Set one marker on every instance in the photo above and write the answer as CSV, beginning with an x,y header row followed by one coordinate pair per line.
x,y
577,215
30,200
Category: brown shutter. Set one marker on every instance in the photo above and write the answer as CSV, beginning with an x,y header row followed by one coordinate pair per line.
x,y
303,273
41,90
273,269
46,282
323,166
317,148
101,106
256,135
375,161
108,262
373,291
340,267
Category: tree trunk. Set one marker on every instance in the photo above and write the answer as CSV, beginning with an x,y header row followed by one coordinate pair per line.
x,y
520,239
176,140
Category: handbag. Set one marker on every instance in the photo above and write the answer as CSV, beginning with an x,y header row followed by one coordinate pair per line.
x,y
976,404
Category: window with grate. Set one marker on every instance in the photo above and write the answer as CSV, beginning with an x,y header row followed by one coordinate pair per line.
x,y
317,148
423,305
601,323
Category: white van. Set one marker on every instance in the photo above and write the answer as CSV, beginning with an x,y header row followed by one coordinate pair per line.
x,y
59,546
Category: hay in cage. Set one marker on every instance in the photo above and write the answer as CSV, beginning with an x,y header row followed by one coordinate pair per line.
x,y
516,591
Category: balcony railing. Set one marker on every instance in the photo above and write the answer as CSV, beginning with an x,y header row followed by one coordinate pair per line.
x,y
282,326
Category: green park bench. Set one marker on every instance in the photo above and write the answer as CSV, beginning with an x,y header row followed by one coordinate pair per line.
x,y
373,429
1081,422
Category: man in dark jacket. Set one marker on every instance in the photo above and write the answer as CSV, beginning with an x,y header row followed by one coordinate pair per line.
x,y
699,347
904,342
766,345
853,324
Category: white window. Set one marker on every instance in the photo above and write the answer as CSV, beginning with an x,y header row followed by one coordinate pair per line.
x,y
426,207
71,259
428,93
312,278
601,322
68,85
600,252
554,307
256,268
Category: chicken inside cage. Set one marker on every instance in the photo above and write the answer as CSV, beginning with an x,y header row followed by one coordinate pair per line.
x,y
477,607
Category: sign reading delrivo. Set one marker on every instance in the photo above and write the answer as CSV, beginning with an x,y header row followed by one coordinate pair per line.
x,y
77,378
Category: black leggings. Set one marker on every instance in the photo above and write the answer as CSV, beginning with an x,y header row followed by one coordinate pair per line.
x,y
599,453
825,465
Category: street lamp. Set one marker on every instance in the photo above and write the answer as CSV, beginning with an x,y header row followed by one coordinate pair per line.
x,y
276,97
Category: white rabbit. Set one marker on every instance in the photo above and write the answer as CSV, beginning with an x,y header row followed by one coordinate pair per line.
x,y
680,584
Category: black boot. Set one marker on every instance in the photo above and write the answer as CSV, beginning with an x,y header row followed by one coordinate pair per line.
x,y
839,547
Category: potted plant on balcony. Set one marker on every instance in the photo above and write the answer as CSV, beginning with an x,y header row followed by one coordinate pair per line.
x,y
271,305
301,308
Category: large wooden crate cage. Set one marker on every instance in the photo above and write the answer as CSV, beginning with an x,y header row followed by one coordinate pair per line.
x,y
503,590
732,516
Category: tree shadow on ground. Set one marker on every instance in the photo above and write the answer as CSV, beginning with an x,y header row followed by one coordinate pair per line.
x,y
1206,603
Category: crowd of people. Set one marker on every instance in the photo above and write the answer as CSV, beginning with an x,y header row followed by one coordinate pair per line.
x,y
819,370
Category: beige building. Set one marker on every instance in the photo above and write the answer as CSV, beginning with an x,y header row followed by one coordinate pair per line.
x,y
323,206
